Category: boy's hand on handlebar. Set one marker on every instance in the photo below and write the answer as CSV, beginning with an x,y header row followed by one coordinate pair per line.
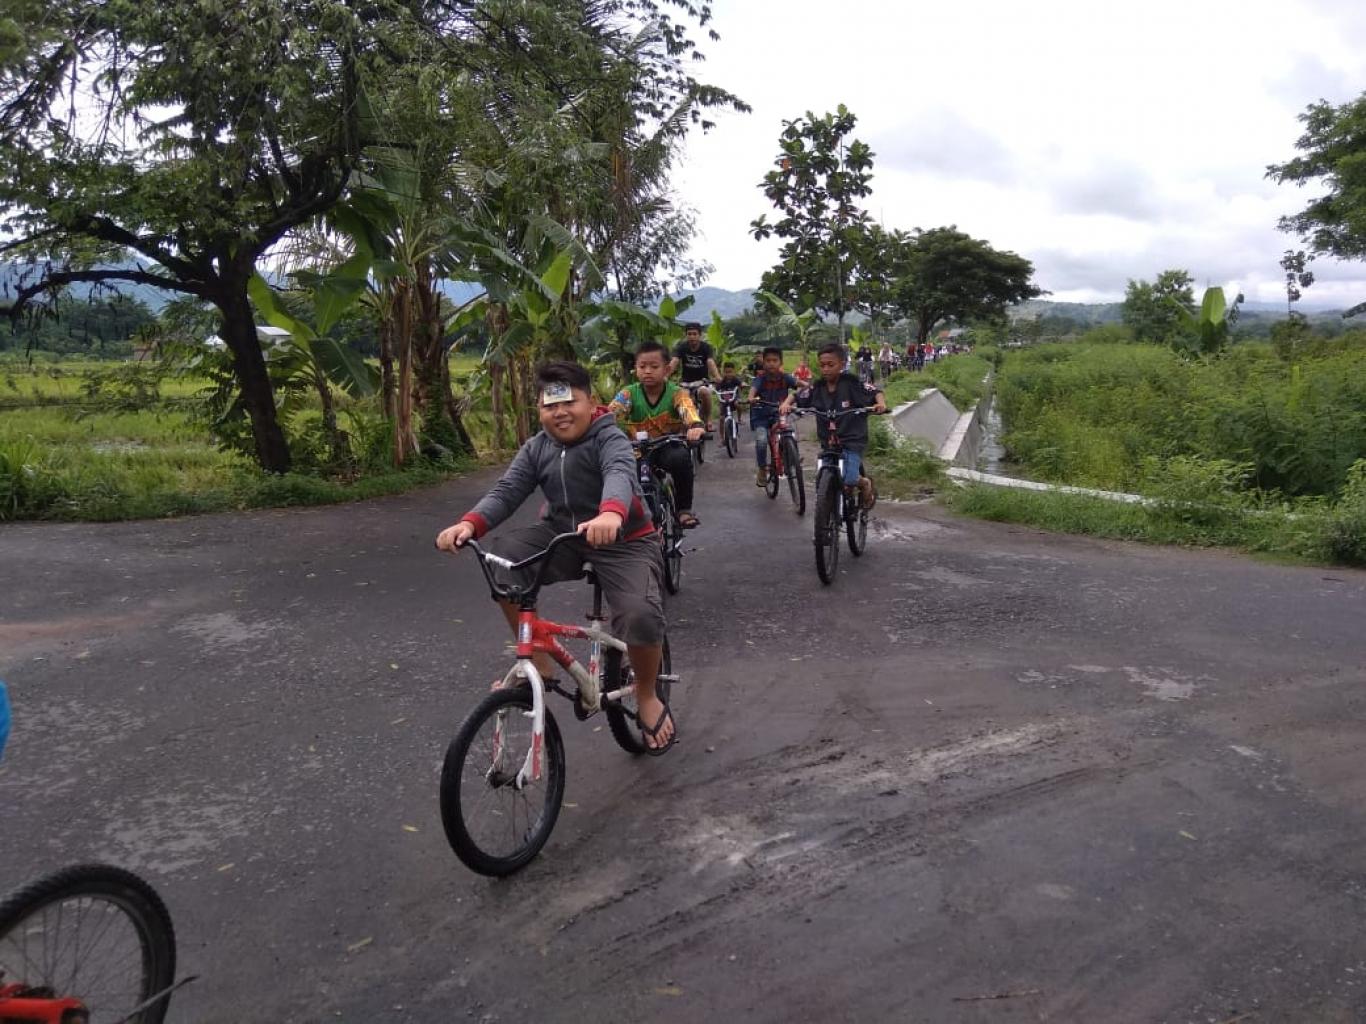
x,y
694,435
454,537
601,529
880,406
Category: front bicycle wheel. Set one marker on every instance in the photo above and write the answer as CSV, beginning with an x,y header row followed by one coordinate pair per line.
x,y
495,824
623,717
671,537
95,933
827,525
796,485
731,433
856,526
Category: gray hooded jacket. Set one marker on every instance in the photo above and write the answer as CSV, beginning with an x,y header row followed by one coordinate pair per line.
x,y
595,474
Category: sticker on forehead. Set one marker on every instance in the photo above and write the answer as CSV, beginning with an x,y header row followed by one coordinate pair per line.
x,y
552,394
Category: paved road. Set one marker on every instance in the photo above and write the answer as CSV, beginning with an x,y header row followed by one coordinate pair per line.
x,y
991,775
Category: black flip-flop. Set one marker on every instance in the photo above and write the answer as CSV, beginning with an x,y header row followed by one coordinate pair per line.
x,y
648,733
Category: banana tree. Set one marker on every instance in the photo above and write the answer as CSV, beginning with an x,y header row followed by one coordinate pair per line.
x,y
1208,329
310,354
798,325
614,329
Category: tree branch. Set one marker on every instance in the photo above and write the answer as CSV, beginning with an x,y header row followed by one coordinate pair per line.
x,y
53,280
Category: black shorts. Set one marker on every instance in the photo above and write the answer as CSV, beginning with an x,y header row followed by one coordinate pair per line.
x,y
631,573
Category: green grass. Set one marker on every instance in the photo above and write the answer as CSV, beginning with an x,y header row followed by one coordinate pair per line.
x,y
959,377
1314,533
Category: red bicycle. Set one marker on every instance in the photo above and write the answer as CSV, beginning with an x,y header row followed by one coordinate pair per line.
x,y
502,782
90,944
784,459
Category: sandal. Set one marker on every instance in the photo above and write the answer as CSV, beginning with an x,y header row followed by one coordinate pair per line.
x,y
688,521
648,733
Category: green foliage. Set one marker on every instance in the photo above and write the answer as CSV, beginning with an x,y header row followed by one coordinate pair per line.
x,y
1154,310
1097,415
1307,534
1207,330
941,274
959,377
1333,152
819,176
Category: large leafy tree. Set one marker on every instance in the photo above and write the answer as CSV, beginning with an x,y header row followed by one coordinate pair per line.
x,y
1157,310
819,177
1333,152
944,274
174,143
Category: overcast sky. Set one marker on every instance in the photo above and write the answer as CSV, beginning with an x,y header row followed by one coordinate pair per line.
x,y
1101,141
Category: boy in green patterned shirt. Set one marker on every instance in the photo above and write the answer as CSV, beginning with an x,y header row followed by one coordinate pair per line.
x,y
657,406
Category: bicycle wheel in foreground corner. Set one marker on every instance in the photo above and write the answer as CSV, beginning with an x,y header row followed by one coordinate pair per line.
x,y
91,932
616,673
796,485
731,432
494,825
827,525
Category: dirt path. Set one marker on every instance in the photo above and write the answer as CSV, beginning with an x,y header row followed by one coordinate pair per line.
x,y
991,775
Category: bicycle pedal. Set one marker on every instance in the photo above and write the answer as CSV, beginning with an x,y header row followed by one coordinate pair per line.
x,y
666,677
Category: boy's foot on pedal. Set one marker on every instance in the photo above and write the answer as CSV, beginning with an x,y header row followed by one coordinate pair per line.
x,y
867,492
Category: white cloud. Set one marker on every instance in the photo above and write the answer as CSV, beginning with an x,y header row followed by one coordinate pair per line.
x,y
1102,142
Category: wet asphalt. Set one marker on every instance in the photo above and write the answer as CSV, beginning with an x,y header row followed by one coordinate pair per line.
x,y
990,775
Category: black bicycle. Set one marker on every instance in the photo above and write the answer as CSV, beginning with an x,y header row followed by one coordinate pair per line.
x,y
837,506
657,484
730,419
693,387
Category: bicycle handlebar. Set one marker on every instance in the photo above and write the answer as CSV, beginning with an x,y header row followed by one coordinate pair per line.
x,y
508,591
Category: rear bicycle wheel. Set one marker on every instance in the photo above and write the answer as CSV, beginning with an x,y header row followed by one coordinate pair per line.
x,y
671,537
623,717
494,825
91,932
827,525
796,484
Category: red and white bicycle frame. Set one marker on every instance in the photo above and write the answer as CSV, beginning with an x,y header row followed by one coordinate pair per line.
x,y
536,635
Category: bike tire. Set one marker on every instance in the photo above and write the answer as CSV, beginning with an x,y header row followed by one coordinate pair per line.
x,y
76,894
671,538
731,433
827,534
465,775
856,529
616,672
796,484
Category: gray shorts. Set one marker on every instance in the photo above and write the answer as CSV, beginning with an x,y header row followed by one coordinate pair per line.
x,y
631,573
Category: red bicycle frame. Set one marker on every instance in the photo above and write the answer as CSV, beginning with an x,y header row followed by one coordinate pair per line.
x,y
28,1009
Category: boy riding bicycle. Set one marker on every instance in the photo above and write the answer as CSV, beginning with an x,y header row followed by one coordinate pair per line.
x,y
771,386
658,406
837,391
587,472
698,361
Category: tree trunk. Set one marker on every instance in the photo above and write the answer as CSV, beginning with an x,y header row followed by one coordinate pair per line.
x,y
336,440
500,433
433,369
249,365
386,364
405,438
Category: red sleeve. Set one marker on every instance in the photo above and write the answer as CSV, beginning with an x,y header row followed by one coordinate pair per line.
x,y
611,505
479,523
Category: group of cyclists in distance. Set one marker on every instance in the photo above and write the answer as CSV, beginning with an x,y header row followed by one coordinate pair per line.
x,y
584,464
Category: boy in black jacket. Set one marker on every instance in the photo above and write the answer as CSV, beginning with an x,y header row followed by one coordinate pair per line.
x,y
836,391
